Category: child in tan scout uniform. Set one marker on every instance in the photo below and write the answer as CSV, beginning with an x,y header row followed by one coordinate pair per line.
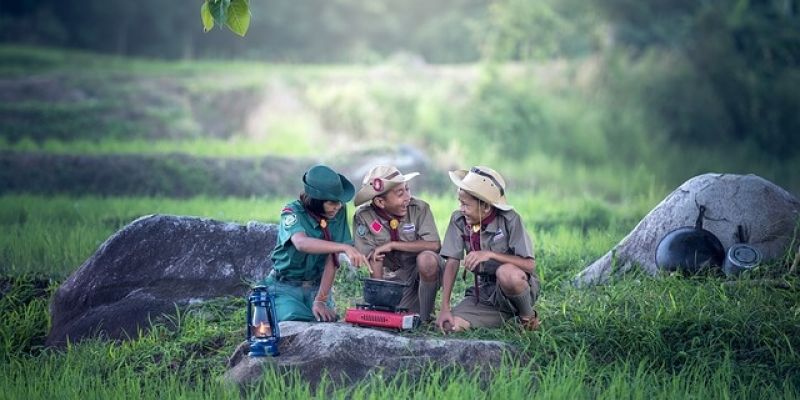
x,y
498,251
398,234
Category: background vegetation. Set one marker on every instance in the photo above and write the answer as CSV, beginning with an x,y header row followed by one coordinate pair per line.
x,y
593,110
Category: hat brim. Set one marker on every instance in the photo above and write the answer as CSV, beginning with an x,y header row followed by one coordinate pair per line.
x,y
348,190
457,177
367,192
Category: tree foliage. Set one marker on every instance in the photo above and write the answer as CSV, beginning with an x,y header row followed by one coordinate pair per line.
x,y
717,72
277,30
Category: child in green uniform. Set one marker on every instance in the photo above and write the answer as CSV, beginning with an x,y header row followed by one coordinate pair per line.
x,y
498,251
313,230
398,234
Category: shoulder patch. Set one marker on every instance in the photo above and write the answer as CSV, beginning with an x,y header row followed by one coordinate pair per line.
x,y
289,220
361,230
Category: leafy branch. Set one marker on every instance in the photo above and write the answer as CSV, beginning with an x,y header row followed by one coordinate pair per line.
x,y
235,14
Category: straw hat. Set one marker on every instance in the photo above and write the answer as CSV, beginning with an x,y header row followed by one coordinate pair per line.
x,y
380,180
483,183
322,183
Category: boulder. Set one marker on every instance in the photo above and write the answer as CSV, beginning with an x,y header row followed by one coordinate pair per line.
x,y
153,265
768,212
347,354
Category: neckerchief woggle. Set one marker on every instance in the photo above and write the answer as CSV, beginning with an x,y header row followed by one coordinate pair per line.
x,y
393,222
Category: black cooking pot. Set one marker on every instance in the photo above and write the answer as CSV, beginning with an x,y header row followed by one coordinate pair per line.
x,y
690,249
382,293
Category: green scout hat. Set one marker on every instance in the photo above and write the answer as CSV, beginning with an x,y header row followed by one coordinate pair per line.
x,y
380,180
323,183
483,183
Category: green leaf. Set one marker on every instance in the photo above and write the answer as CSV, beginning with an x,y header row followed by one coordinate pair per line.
x,y
206,17
219,9
238,16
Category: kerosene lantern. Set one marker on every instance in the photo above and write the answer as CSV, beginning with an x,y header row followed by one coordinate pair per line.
x,y
263,332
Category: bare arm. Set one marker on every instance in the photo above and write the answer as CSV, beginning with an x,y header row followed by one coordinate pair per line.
x,y
311,245
320,306
445,320
416,246
377,255
448,280
475,258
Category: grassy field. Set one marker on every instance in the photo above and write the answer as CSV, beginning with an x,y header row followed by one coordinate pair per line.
x,y
638,338
584,171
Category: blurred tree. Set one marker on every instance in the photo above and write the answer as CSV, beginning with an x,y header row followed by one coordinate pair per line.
x,y
726,71
280,30
740,65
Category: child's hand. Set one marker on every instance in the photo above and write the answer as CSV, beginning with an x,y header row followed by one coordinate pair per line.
x,y
356,258
475,258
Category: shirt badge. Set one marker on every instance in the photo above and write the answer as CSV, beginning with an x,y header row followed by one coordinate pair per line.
x,y
289,220
361,230
499,235
409,228
376,226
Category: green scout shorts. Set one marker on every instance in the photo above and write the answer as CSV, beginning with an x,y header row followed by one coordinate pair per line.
x,y
294,299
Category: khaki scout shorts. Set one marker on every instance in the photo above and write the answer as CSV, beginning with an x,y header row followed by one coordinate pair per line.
x,y
408,274
493,309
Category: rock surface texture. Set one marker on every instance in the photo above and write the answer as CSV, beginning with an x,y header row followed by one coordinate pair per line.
x,y
768,213
153,265
347,354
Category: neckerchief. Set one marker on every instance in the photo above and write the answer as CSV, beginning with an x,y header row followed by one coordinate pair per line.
x,y
473,236
391,220
326,234
474,239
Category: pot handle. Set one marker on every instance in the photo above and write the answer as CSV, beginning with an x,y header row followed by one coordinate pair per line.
x,y
743,234
699,223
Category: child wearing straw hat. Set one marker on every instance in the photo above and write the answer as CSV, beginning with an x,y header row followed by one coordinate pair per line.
x,y
498,251
313,230
398,234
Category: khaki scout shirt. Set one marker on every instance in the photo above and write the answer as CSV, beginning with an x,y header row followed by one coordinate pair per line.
x,y
372,231
505,235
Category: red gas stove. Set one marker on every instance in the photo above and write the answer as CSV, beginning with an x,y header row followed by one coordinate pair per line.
x,y
381,317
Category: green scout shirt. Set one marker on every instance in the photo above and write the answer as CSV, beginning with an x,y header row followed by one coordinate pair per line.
x,y
503,235
292,264
372,231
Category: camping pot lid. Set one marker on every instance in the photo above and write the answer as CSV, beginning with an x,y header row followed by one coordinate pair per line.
x,y
744,255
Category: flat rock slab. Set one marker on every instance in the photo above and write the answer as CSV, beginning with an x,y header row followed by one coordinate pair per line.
x,y
348,354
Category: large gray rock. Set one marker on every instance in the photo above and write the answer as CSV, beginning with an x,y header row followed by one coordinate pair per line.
x,y
769,213
348,354
151,266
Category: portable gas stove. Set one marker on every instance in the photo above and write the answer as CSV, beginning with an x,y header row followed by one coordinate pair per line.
x,y
369,315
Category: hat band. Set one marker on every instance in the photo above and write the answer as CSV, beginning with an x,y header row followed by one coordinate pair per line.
x,y
496,183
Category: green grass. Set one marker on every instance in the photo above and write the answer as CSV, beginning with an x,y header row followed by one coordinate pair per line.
x,y
288,142
635,338
640,338
54,235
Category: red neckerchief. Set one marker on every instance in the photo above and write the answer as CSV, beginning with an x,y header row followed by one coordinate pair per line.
x,y
390,220
473,236
326,234
474,239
